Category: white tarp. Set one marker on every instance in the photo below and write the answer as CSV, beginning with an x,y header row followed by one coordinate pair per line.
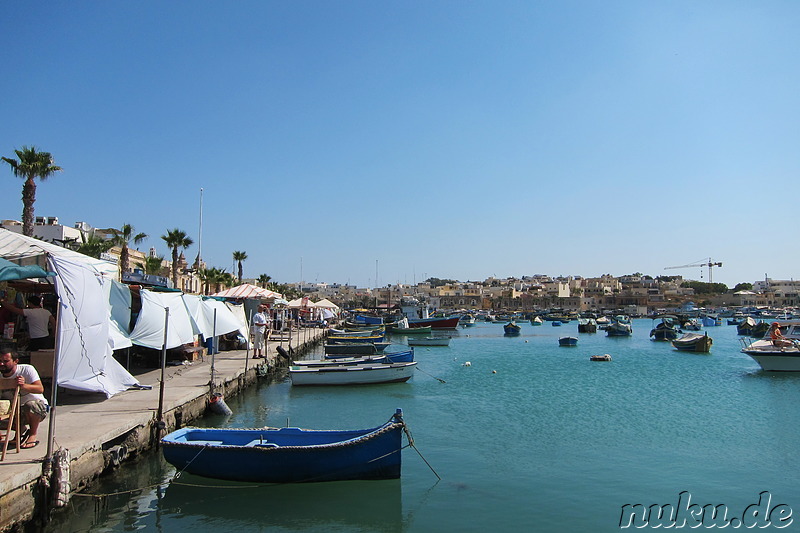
x,y
149,328
14,246
238,312
326,304
202,314
84,356
118,296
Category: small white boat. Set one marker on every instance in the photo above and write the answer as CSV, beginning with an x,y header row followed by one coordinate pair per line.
x,y
429,341
359,374
781,355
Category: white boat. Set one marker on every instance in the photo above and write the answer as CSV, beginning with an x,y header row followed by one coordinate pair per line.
x,y
359,374
429,341
780,355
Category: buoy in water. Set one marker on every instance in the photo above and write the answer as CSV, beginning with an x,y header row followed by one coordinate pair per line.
x,y
218,405
604,357
494,371
467,364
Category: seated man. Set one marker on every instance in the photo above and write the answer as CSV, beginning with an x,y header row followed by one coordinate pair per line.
x,y
33,405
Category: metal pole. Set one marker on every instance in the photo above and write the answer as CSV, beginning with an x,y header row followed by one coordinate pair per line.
x,y
160,414
51,426
213,348
200,233
247,349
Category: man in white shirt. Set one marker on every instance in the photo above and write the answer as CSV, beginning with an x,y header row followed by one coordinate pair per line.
x,y
39,320
258,329
33,405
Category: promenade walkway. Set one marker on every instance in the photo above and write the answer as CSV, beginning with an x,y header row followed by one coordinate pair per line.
x,y
88,426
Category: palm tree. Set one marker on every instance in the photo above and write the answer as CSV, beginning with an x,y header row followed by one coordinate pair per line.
x,y
239,257
264,280
175,239
123,238
94,246
31,164
152,265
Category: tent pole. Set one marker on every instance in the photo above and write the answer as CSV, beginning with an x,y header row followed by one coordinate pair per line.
x,y
247,351
213,349
160,416
51,425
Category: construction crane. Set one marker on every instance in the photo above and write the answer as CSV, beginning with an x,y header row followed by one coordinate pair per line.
x,y
704,263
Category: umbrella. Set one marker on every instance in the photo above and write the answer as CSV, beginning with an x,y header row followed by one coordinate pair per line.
x,y
11,271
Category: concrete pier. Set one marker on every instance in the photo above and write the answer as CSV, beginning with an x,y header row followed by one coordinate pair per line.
x,y
101,433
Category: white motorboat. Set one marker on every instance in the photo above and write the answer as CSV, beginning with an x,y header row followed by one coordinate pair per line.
x,y
782,355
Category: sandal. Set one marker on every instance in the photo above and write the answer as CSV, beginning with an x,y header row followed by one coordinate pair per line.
x,y
28,444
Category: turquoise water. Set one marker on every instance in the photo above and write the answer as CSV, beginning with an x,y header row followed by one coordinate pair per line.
x,y
529,436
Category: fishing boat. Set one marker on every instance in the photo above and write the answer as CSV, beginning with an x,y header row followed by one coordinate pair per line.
x,y
402,328
288,455
619,327
555,323
587,325
450,322
711,321
467,320
780,355
568,341
746,325
404,356
693,342
692,325
537,321
664,330
429,341
345,349
354,339
361,374
512,329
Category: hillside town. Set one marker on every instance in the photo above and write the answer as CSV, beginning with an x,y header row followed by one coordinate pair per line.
x,y
634,294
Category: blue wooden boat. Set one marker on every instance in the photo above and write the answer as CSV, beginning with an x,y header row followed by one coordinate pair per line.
x,y
568,341
288,455
405,356
512,328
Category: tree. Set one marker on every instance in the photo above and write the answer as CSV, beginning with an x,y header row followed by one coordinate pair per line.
x,y
239,257
123,238
31,164
152,265
263,280
175,239
743,287
94,246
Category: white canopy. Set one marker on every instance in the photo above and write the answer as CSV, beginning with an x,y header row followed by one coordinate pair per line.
x,y
14,246
202,314
246,290
84,356
302,302
149,328
327,304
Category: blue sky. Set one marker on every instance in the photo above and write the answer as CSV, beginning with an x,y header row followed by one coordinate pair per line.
x,y
453,139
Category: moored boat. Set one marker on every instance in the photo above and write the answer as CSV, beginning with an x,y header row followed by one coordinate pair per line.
x,y
404,356
568,341
537,321
512,329
693,342
450,322
363,374
587,325
288,455
664,330
619,328
429,341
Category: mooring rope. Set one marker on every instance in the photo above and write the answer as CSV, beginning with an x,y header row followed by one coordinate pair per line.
x,y
440,380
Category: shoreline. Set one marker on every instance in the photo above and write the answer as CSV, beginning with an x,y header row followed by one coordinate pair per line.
x,y
125,425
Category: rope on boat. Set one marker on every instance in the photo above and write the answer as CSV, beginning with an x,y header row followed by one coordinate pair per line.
x,y
440,380
411,444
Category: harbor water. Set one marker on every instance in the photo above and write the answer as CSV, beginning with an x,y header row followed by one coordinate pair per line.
x,y
525,435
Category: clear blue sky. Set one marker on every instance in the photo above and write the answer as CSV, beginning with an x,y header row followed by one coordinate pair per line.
x,y
453,139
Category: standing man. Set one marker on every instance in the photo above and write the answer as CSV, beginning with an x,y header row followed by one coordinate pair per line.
x,y
33,405
39,319
258,329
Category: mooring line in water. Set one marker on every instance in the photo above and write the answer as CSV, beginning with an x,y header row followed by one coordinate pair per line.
x,y
440,380
411,444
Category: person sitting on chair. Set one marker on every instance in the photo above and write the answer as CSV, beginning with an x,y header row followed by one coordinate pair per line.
x,y
33,405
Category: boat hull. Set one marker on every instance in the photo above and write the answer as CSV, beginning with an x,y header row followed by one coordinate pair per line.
x,y
435,323
788,361
693,342
431,341
352,374
287,455
568,341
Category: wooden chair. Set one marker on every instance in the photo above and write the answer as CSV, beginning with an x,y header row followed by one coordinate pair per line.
x,y
13,423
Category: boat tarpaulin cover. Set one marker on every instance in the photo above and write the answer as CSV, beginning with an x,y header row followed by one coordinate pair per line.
x,y
84,355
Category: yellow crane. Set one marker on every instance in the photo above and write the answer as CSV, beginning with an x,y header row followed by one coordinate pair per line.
x,y
704,263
